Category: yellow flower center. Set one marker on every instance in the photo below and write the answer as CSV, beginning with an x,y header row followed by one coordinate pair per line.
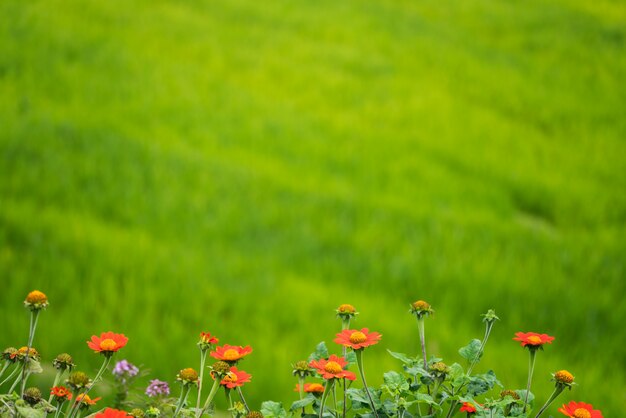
x,y
36,297
108,345
333,367
231,354
534,340
582,413
346,308
230,377
421,305
564,376
357,337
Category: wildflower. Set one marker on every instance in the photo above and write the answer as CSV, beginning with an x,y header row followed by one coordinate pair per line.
x,y
532,340
333,368
230,353
563,377
357,340
301,369
580,410
207,340
311,388
36,300
32,396
157,388
63,362
111,413
235,378
439,369
9,354
510,393
85,401
346,311
108,343
254,414
421,308
61,394
468,407
20,354
153,412
187,376
124,370
136,412
78,380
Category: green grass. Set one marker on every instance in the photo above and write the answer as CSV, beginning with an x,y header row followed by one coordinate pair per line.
x,y
243,168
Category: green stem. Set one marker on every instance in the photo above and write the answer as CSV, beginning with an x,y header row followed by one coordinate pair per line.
x,y
557,391
230,402
329,384
58,411
531,367
201,380
181,400
10,376
70,405
242,398
4,368
57,377
420,326
344,397
34,315
216,385
301,386
359,363
105,364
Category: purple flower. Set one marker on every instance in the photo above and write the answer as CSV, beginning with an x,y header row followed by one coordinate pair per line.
x,y
124,370
157,387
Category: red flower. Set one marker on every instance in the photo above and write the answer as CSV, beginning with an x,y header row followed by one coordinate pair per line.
x,y
61,393
231,353
468,407
311,388
357,339
333,368
580,410
533,339
207,338
111,413
235,378
107,343
86,400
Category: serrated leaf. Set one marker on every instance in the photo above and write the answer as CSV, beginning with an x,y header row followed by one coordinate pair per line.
x,y
301,403
471,351
273,409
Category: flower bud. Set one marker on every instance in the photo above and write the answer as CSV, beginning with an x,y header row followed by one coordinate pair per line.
x,y
36,300
32,396
78,380
63,362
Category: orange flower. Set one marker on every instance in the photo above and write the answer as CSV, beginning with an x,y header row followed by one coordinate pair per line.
x,y
207,338
333,368
468,407
311,388
86,400
230,353
36,300
580,410
357,339
235,378
532,339
111,413
108,343
61,393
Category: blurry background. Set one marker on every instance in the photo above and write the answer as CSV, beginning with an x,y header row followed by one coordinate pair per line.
x,y
244,167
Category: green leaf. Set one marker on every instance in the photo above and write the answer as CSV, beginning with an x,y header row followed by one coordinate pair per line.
x,y
321,351
273,409
301,403
402,357
482,383
351,358
28,412
34,367
471,351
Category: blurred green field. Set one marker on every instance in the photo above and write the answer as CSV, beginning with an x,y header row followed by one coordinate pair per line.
x,y
244,167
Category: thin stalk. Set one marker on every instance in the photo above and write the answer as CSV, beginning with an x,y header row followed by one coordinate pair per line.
x,y
34,315
201,379
344,396
420,326
329,384
345,324
181,400
242,398
531,367
105,364
4,367
301,386
216,385
70,405
10,376
230,402
557,391
359,363
58,411
18,380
